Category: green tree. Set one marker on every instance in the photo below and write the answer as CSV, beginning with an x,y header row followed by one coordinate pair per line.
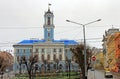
x,y
78,52
57,62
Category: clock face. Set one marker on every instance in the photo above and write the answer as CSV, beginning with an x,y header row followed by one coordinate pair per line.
x,y
48,29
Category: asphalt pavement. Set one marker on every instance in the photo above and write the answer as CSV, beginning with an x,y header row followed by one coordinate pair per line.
x,y
99,74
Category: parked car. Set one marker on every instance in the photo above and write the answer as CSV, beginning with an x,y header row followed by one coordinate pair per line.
x,y
108,74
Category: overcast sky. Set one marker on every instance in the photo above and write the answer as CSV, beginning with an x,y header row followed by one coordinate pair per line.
x,y
24,19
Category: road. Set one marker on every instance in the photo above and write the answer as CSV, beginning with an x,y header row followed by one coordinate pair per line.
x,y
97,74
9,75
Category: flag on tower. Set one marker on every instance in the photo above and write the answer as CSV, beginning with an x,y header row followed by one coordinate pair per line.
x,y
49,4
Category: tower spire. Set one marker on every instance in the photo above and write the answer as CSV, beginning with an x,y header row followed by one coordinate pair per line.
x,y
48,26
49,6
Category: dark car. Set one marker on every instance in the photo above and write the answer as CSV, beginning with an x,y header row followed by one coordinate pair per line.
x,y
92,69
108,74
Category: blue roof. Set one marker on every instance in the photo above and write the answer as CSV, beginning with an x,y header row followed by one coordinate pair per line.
x,y
30,41
66,42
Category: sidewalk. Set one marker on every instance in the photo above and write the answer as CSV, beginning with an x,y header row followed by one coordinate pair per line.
x,y
116,75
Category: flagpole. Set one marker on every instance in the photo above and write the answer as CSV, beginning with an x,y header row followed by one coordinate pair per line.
x,y
49,6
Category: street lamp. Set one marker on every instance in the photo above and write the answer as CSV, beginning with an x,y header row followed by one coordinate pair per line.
x,y
36,68
84,40
69,61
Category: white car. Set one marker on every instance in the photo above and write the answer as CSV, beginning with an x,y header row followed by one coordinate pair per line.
x,y
108,74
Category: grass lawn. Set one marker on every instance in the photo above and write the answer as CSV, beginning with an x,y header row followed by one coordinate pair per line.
x,y
62,75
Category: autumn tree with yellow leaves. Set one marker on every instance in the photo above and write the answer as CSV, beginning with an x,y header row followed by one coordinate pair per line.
x,y
6,60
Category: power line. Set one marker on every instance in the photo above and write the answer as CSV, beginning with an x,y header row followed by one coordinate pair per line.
x,y
29,27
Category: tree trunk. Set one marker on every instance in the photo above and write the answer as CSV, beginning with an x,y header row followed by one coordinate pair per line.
x,y
30,77
83,72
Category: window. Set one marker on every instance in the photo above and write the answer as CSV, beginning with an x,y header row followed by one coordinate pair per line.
x,y
17,50
60,66
30,50
60,57
42,57
43,50
54,57
36,50
54,50
60,50
18,58
48,50
66,58
48,20
48,57
66,50
48,34
24,50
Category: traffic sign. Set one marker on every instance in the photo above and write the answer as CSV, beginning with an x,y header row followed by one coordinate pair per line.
x,y
93,58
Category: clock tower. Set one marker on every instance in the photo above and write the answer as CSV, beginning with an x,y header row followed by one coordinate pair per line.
x,y
48,25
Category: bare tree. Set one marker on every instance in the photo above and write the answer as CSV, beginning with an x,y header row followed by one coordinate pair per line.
x,y
30,63
57,62
79,56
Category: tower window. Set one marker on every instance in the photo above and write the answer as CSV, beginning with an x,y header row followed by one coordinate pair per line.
x,y
48,20
48,34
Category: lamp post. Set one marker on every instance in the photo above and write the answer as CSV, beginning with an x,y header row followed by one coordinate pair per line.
x,y
69,61
36,68
83,25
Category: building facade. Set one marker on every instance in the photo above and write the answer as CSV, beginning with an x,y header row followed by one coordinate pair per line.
x,y
110,47
53,54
